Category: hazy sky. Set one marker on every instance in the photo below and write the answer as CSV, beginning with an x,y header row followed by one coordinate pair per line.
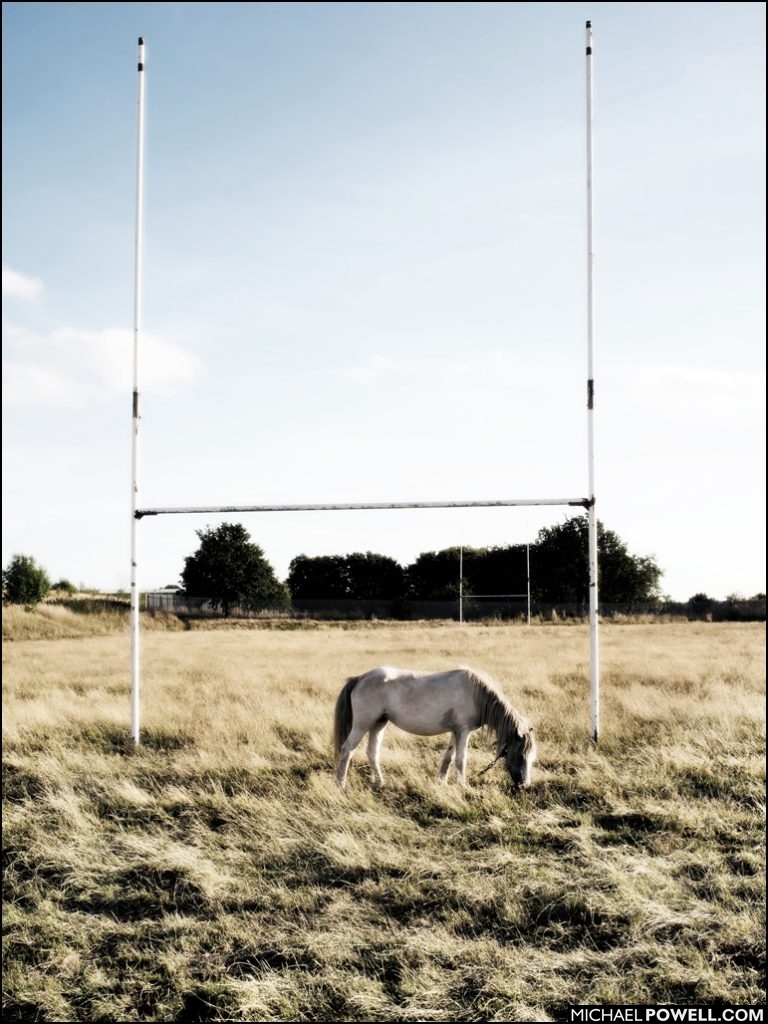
x,y
365,278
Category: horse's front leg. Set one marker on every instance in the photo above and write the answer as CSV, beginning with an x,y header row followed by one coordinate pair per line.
x,y
462,739
375,736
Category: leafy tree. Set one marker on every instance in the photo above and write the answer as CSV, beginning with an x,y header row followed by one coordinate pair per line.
x,y
434,576
323,576
24,581
362,576
497,570
560,566
231,571
374,576
65,585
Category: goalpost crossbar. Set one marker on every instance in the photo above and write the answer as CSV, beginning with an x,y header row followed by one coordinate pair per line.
x,y
357,506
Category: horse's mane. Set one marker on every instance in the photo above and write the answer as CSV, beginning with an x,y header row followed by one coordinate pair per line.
x,y
496,713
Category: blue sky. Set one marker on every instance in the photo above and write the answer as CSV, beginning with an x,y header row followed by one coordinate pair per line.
x,y
364,278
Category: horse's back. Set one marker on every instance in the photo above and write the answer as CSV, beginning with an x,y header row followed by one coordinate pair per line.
x,y
427,703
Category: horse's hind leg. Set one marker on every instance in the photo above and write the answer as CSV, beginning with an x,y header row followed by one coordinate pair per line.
x,y
445,761
347,749
375,736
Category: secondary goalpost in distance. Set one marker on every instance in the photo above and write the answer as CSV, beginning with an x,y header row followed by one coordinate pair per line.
x,y
583,502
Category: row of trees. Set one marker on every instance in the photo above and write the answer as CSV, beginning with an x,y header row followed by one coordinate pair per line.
x,y
558,563
229,570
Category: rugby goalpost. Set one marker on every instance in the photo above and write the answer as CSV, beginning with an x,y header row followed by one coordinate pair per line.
x,y
137,513
527,593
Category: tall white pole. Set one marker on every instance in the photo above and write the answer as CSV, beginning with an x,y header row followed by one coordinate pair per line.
x,y
461,582
528,574
135,681
592,515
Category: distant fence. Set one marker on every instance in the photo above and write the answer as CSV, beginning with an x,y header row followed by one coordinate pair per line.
x,y
473,609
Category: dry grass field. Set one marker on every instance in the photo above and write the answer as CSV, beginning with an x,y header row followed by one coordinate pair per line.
x,y
217,874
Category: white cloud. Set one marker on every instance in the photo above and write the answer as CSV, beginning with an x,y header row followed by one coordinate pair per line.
x,y
491,368
701,391
64,367
20,286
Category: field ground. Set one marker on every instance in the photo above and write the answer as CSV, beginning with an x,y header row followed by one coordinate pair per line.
x,y
217,874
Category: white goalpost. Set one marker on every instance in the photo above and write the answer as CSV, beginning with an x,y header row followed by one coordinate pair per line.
x,y
588,502
594,648
135,671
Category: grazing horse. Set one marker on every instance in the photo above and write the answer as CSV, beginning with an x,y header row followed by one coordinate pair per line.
x,y
429,703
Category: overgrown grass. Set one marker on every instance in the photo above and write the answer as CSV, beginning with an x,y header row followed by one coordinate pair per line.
x,y
217,874
81,616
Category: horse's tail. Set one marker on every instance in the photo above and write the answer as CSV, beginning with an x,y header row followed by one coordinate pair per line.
x,y
342,719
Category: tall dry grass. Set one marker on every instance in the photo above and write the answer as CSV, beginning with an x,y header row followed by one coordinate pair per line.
x,y
218,874
74,617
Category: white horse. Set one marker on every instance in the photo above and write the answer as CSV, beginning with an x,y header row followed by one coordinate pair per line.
x,y
429,703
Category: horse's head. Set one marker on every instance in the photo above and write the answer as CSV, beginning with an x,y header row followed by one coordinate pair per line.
x,y
519,753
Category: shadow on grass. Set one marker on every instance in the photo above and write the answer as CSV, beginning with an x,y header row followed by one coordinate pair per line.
x,y
210,1002
543,919
142,893
20,784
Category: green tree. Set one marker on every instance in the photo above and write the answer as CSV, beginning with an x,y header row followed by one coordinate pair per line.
x,y
496,570
65,585
700,604
434,576
361,576
373,576
322,576
24,581
560,566
231,571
